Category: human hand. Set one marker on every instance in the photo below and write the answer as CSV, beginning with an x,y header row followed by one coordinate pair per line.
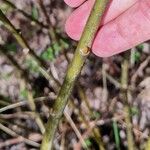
x,y
125,24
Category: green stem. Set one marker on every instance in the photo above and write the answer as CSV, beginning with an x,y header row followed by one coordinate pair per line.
x,y
116,134
127,111
73,71
36,115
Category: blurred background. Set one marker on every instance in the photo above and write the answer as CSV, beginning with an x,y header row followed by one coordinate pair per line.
x,y
109,106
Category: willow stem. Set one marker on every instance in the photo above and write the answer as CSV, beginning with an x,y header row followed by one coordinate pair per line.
x,y
127,110
74,69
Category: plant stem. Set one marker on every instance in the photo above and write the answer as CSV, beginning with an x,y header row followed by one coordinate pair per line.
x,y
14,134
69,119
14,62
95,131
13,6
36,115
27,80
52,31
116,135
21,40
81,53
127,111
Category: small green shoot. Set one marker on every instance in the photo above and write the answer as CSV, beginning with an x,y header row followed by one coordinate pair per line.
x,y
24,93
134,111
32,65
116,134
11,47
88,143
48,54
35,13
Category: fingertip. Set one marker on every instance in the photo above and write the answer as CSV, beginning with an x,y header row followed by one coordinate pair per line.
x,y
128,30
109,42
102,50
76,21
71,30
105,52
102,53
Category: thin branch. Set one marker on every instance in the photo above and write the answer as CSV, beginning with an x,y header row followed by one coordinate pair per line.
x,y
17,140
44,12
14,62
139,71
27,80
75,128
74,69
95,132
14,134
51,30
22,103
53,33
21,40
127,111
36,115
10,4
113,81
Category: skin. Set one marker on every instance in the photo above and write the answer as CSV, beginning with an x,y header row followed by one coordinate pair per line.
x,y
126,23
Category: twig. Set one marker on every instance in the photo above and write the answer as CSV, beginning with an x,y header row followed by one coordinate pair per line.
x,y
51,31
139,71
51,28
44,11
10,4
22,103
81,53
84,99
105,90
18,140
75,128
113,81
17,34
23,115
21,40
14,134
13,61
30,98
36,115
95,131
124,84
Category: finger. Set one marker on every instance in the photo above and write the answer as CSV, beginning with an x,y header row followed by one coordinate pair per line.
x,y
74,3
126,31
76,22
